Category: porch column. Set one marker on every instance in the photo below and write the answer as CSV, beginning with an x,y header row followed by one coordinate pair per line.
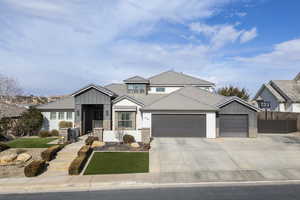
x,y
211,131
107,115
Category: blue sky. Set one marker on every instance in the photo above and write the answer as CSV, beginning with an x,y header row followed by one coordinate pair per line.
x,y
54,47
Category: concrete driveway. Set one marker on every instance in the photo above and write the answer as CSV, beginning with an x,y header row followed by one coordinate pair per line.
x,y
267,157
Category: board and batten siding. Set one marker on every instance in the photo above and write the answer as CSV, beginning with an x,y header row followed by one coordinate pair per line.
x,y
51,124
266,95
235,108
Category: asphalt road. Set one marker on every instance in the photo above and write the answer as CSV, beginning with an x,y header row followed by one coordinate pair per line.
x,y
275,192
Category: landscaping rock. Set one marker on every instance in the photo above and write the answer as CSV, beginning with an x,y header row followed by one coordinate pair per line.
x,y
7,159
135,145
98,144
23,157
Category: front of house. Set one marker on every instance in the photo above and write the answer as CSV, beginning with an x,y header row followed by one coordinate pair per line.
x,y
169,104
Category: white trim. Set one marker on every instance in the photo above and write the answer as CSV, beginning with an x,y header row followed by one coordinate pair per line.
x,y
240,101
211,131
133,100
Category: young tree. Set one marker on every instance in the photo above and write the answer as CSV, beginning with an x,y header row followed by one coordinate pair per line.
x,y
234,91
9,87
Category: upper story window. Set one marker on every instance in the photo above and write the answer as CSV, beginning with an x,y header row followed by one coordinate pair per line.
x,y
136,88
160,89
69,115
61,115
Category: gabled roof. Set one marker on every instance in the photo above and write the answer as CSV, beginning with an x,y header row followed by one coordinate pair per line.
x,y
180,100
8,110
96,87
227,100
289,89
136,79
60,104
120,98
271,90
176,78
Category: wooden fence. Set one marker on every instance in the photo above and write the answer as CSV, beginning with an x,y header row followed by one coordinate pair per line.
x,y
278,122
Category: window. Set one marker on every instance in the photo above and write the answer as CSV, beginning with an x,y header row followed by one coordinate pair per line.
x,y
52,115
136,88
125,119
69,115
160,89
61,115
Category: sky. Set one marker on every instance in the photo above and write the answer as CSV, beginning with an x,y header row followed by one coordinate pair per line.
x,y
54,47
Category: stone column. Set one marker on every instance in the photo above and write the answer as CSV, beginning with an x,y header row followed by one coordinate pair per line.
x,y
63,132
145,135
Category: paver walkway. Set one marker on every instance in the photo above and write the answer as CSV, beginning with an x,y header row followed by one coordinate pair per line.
x,y
60,165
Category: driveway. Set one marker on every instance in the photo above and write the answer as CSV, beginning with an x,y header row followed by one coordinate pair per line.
x,y
266,157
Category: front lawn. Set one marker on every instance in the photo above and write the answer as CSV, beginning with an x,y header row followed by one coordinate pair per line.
x,y
118,163
31,143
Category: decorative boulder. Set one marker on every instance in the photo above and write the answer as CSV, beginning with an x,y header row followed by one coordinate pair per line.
x,y
23,157
135,145
98,144
8,159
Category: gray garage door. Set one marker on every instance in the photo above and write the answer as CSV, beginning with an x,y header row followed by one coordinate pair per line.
x,y
234,125
178,125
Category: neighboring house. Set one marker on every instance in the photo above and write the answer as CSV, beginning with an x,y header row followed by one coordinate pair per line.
x,y
11,111
284,95
170,104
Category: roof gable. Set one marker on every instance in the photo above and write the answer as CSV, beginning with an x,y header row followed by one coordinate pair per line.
x,y
176,78
96,87
228,100
271,90
289,89
120,98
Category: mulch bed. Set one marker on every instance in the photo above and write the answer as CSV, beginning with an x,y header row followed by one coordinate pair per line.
x,y
115,146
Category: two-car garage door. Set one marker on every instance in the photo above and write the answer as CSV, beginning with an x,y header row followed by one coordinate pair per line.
x,y
183,125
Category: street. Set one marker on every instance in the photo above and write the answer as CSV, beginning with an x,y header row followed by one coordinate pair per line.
x,y
274,192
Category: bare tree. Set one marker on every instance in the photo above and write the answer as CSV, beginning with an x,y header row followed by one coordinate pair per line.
x,y
9,87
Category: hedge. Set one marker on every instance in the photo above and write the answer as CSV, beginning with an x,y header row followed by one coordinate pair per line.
x,y
44,134
90,140
3,146
54,132
50,153
35,168
65,124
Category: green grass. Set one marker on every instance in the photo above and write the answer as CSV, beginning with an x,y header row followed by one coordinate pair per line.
x,y
31,143
118,163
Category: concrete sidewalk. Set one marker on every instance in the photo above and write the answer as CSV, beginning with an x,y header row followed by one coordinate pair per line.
x,y
95,182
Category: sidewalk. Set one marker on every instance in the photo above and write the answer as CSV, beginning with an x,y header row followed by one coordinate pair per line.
x,y
129,181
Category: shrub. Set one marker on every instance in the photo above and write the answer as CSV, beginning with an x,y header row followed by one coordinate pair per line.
x,y
44,133
30,122
54,132
35,168
90,140
50,153
77,165
86,150
128,139
65,124
3,146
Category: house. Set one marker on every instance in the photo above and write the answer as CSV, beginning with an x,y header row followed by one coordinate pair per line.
x,y
170,104
283,95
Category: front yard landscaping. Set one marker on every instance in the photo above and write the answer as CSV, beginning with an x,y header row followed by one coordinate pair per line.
x,y
31,143
118,163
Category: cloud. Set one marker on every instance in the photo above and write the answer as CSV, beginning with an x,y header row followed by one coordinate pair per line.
x,y
241,14
220,35
246,36
285,54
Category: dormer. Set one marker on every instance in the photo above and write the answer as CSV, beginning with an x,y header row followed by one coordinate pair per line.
x,y
136,85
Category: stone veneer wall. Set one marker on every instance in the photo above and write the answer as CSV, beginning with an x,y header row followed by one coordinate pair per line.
x,y
145,135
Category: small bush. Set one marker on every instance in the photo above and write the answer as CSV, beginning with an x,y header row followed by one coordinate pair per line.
x,y
90,140
35,168
86,150
65,124
44,133
54,132
3,146
77,165
50,153
128,139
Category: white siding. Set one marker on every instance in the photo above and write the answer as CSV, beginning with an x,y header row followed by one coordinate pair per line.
x,y
115,136
50,124
211,131
281,107
296,107
126,102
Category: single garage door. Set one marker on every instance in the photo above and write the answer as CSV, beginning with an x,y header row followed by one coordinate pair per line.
x,y
233,125
164,125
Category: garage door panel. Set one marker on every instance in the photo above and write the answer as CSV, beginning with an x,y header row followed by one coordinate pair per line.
x,y
164,125
234,125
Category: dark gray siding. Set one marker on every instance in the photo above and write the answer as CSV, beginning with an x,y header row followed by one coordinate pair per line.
x,y
92,96
237,108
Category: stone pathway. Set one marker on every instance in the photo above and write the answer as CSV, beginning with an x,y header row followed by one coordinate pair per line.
x,y
60,165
